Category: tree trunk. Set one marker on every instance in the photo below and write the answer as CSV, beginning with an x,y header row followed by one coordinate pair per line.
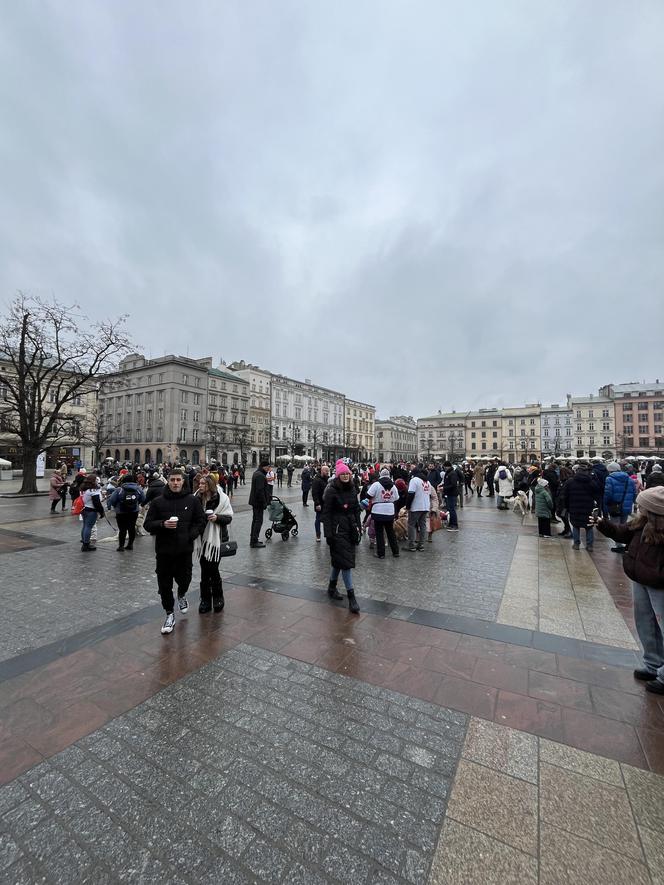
x,y
29,484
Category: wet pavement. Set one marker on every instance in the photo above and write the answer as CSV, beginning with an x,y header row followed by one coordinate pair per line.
x,y
478,722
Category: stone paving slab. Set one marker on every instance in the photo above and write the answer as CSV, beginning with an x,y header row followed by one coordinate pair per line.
x,y
255,768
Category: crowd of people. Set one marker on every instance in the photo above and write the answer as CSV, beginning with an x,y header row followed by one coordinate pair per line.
x,y
188,511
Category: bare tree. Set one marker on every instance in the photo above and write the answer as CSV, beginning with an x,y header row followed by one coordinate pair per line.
x,y
50,355
242,440
98,433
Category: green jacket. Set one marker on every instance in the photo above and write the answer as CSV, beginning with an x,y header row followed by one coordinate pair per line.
x,y
543,502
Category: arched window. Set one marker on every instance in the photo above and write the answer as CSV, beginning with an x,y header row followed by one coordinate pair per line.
x,y
148,456
160,456
137,456
224,458
183,456
117,454
108,453
236,458
195,457
127,456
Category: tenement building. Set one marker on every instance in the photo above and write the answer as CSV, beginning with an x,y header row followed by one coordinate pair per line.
x,y
172,409
442,437
260,413
396,439
556,424
360,418
307,419
484,434
593,426
639,417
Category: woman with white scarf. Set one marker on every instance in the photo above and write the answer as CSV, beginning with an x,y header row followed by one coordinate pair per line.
x,y
207,548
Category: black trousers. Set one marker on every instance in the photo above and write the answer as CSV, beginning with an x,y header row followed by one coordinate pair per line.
x,y
385,527
305,495
544,525
211,584
256,523
127,527
169,569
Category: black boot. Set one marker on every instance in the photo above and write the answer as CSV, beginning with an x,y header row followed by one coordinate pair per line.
x,y
205,605
352,603
332,591
218,602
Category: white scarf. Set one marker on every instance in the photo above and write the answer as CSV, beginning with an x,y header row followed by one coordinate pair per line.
x,y
209,545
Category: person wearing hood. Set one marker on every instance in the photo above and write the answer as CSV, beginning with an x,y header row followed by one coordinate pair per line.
x,y
126,500
176,519
619,496
341,524
543,508
383,495
643,563
580,495
656,477
599,473
504,486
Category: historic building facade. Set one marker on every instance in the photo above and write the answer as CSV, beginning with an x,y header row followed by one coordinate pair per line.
x,y
360,421
307,419
396,439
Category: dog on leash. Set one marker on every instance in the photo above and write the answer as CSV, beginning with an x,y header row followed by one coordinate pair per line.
x,y
520,503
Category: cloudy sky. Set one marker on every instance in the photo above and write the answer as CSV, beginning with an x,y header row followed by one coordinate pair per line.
x,y
423,204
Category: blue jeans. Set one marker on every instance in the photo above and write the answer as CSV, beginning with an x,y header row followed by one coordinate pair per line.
x,y
648,608
89,519
451,509
590,536
346,575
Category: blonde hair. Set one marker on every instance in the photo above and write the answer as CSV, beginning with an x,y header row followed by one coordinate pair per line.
x,y
207,487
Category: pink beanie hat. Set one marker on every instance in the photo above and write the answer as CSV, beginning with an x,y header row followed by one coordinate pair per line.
x,y
340,468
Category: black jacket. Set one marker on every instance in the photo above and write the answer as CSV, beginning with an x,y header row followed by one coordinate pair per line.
x,y
451,482
580,494
341,523
154,490
318,489
191,524
258,495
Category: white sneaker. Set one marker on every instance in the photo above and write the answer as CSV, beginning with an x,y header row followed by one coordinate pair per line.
x,y
169,623
183,605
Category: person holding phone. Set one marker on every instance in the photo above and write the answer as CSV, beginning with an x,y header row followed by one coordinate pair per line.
x,y
643,562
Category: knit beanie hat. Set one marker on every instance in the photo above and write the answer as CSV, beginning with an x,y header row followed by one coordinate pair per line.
x,y
542,482
652,500
612,466
340,467
384,472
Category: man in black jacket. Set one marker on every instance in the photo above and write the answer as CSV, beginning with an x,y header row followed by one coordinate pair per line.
x,y
451,492
258,501
176,519
317,490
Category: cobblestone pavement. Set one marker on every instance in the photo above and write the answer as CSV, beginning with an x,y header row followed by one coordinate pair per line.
x,y
288,741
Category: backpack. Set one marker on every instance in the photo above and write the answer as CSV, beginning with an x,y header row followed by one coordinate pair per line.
x,y
502,473
129,499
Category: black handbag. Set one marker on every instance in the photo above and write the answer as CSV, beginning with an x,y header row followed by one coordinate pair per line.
x,y
615,509
228,548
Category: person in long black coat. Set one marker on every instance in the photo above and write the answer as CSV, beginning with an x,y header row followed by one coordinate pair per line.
x,y
581,494
341,525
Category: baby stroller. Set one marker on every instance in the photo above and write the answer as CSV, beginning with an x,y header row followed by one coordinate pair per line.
x,y
283,520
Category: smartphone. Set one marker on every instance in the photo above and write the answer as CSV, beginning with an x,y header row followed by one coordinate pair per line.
x,y
594,516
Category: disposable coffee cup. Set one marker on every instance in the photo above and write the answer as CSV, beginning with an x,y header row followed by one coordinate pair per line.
x,y
209,512
174,519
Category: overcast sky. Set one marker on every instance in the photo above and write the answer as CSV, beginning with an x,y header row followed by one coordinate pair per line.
x,y
422,204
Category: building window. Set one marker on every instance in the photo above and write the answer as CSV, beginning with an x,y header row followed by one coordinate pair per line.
x,y
627,407
605,413
643,428
642,407
185,379
194,436
644,441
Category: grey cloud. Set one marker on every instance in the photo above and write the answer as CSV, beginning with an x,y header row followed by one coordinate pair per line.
x,y
422,205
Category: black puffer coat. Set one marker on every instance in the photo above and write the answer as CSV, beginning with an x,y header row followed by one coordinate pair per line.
x,y
580,494
341,522
191,522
